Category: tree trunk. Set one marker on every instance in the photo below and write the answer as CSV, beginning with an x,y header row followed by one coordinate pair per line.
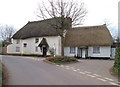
x,y
62,46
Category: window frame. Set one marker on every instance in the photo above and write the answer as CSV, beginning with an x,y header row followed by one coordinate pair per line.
x,y
17,49
24,44
72,50
36,49
96,50
17,41
36,40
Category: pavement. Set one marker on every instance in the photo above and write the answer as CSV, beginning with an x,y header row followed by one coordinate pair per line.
x,y
33,71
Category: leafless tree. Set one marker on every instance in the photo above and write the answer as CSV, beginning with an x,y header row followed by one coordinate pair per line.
x,y
65,13
6,32
107,22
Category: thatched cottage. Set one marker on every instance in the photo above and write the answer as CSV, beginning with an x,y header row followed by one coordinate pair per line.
x,y
39,38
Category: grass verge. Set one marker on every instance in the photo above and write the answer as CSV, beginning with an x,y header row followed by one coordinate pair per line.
x,y
4,75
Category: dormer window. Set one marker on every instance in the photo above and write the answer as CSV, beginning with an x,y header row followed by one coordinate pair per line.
x,y
36,40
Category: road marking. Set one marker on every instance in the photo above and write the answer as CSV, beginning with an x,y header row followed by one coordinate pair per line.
x,y
78,69
61,66
75,70
82,72
113,83
57,65
97,75
102,79
90,75
67,68
109,79
87,72
72,67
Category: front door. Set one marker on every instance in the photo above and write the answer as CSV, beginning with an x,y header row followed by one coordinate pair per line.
x,y
79,52
44,51
82,52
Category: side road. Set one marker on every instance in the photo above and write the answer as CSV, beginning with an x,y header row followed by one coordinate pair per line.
x,y
33,71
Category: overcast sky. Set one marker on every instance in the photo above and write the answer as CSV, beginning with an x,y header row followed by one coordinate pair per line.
x,y
19,12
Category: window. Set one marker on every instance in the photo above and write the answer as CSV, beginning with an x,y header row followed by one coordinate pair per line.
x,y
36,49
17,49
17,41
25,44
72,49
36,40
96,50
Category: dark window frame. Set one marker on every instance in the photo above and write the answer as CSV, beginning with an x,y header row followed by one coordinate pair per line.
x,y
17,49
36,49
72,50
96,50
17,41
36,40
24,44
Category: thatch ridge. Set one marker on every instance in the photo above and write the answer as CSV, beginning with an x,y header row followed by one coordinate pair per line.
x,y
89,36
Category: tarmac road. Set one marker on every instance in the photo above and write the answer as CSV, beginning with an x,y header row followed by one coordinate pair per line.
x,y
32,71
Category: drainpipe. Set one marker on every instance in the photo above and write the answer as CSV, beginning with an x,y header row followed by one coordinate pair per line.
x,y
54,50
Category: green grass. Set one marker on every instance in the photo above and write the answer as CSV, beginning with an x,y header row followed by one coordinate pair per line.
x,y
61,59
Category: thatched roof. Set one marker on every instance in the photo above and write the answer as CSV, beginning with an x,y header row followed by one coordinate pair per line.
x,y
89,36
35,29
40,28
80,36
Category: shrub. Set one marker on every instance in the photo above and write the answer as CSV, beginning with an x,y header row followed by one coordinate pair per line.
x,y
117,61
61,59
52,51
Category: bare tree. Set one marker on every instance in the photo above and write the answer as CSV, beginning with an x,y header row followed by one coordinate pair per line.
x,y
6,32
107,22
65,13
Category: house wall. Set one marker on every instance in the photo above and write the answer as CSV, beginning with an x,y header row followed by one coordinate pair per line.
x,y
53,41
105,51
67,51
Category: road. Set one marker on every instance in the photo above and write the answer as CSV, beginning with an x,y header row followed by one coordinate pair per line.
x,y
32,71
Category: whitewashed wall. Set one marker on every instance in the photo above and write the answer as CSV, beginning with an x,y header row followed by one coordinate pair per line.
x,y
67,51
11,49
30,49
105,51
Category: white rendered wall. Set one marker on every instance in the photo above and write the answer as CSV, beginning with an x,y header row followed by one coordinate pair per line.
x,y
105,51
67,51
53,41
